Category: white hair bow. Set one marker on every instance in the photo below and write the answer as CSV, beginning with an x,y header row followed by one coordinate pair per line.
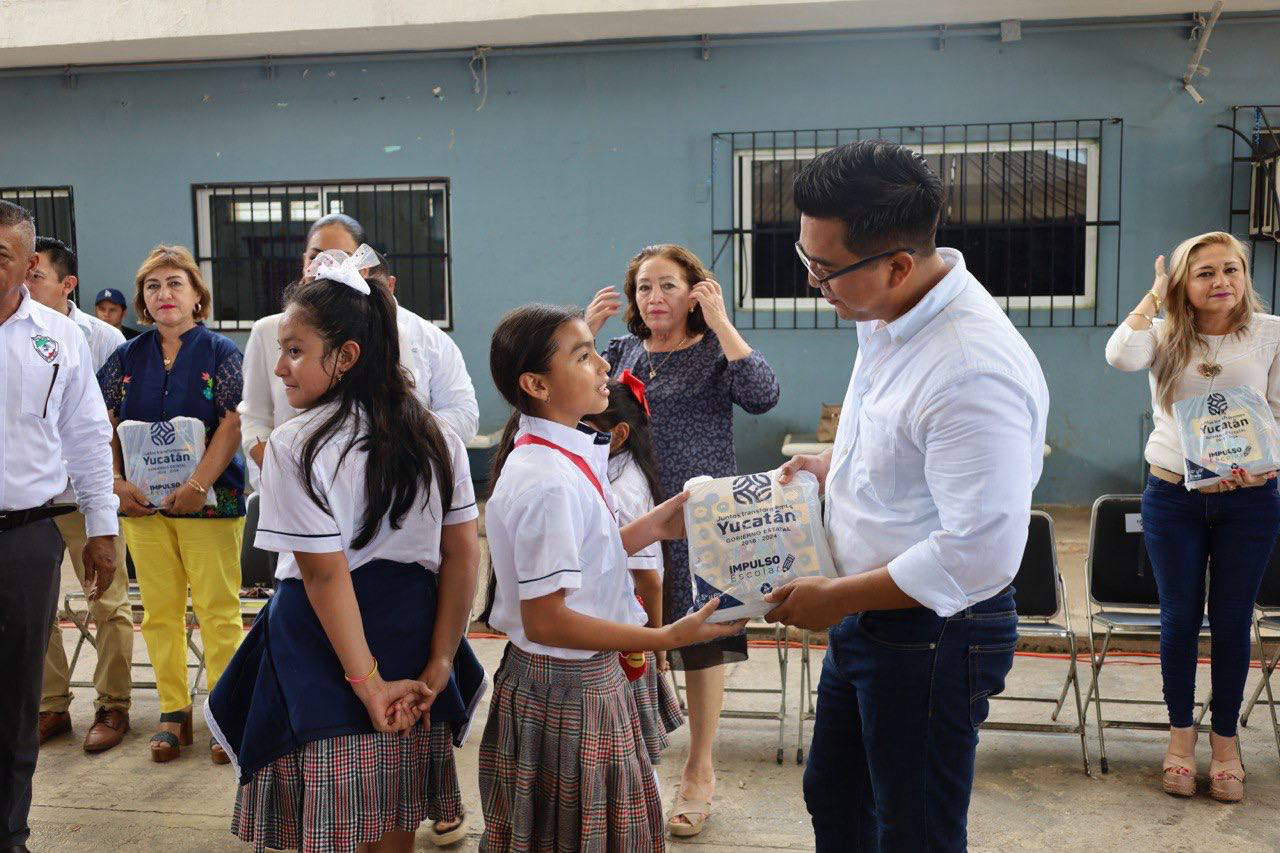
x,y
337,265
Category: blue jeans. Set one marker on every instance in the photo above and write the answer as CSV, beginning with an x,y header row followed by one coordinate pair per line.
x,y
900,700
1232,533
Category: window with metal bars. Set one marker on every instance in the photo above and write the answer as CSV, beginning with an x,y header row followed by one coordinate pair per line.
x,y
54,212
250,239
1034,207
1254,206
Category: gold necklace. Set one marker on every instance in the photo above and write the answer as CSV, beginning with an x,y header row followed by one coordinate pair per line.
x,y
1210,368
653,371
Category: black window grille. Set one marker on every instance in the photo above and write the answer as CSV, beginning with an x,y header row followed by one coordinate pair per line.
x,y
1254,207
54,212
1034,206
250,239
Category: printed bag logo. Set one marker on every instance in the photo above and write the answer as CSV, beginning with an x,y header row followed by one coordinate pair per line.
x,y
162,432
752,489
1216,403
46,347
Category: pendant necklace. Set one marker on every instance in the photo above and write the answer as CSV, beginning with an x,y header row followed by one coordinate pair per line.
x,y
653,371
1210,368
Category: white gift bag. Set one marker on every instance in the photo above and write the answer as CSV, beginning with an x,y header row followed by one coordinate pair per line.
x,y
749,535
159,457
1224,430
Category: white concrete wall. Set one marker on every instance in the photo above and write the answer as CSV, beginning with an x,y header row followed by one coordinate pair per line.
x,y
81,32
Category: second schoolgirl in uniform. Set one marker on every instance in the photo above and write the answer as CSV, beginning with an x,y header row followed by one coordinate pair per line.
x,y
633,476
370,505
563,764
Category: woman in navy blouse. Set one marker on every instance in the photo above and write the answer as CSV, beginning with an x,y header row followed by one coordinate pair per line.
x,y
696,368
180,368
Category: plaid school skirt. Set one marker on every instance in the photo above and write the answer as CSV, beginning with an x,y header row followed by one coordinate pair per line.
x,y
333,794
563,763
659,709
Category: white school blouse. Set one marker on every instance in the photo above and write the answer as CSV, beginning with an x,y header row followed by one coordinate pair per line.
x,y
1251,358
633,500
290,521
549,530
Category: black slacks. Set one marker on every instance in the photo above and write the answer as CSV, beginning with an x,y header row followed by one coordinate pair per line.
x,y
30,559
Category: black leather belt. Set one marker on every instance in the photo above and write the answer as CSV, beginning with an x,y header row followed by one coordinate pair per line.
x,y
20,517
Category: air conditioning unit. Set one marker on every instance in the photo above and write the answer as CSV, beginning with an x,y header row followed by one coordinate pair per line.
x,y
1264,197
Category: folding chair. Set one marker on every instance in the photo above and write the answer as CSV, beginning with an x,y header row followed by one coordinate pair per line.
x,y
784,653
1122,588
1039,595
1267,615
257,567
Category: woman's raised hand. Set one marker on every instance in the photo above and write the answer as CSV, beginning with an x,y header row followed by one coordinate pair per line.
x,y
709,295
606,303
1160,287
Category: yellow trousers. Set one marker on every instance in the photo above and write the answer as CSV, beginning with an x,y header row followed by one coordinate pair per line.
x,y
171,555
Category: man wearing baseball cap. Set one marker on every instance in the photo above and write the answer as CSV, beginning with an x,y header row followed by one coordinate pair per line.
x,y
110,305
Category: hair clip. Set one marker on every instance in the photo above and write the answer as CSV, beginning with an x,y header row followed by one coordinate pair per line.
x,y
636,387
337,265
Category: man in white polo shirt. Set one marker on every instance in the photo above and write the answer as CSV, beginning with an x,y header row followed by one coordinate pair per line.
x,y
51,284
52,423
928,499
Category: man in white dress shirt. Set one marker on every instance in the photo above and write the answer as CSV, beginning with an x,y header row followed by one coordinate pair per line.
x,y
51,284
928,498
52,423
439,373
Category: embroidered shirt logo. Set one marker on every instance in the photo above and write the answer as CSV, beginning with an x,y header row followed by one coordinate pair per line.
x,y
46,347
162,432
752,489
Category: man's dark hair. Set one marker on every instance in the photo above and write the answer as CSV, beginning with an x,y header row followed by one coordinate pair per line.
x,y
885,193
61,258
13,216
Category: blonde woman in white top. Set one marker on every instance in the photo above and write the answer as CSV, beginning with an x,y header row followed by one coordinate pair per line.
x,y
1213,336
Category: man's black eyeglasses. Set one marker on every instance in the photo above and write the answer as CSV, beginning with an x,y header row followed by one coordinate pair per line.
x,y
819,280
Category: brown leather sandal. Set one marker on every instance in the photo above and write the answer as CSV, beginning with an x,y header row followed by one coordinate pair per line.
x,y
166,746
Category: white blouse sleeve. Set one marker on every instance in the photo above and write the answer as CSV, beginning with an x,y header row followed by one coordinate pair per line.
x,y
256,406
632,505
1131,349
288,519
546,527
1273,383
463,506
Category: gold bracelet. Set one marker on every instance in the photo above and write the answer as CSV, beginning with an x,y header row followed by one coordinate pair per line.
x,y
1157,298
1140,314
199,488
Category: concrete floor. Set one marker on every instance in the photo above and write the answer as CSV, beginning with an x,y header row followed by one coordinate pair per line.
x,y
1030,793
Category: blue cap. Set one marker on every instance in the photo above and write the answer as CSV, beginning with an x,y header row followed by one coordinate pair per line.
x,y
109,295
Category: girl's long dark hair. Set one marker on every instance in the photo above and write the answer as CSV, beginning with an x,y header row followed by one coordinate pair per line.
x,y
405,446
625,408
524,342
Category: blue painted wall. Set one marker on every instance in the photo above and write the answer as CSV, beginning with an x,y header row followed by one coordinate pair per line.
x,y
579,159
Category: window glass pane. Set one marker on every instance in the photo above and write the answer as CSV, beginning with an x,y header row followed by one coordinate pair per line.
x,y
1018,216
256,236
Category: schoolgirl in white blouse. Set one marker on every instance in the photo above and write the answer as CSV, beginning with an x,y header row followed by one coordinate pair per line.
x,y
563,761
